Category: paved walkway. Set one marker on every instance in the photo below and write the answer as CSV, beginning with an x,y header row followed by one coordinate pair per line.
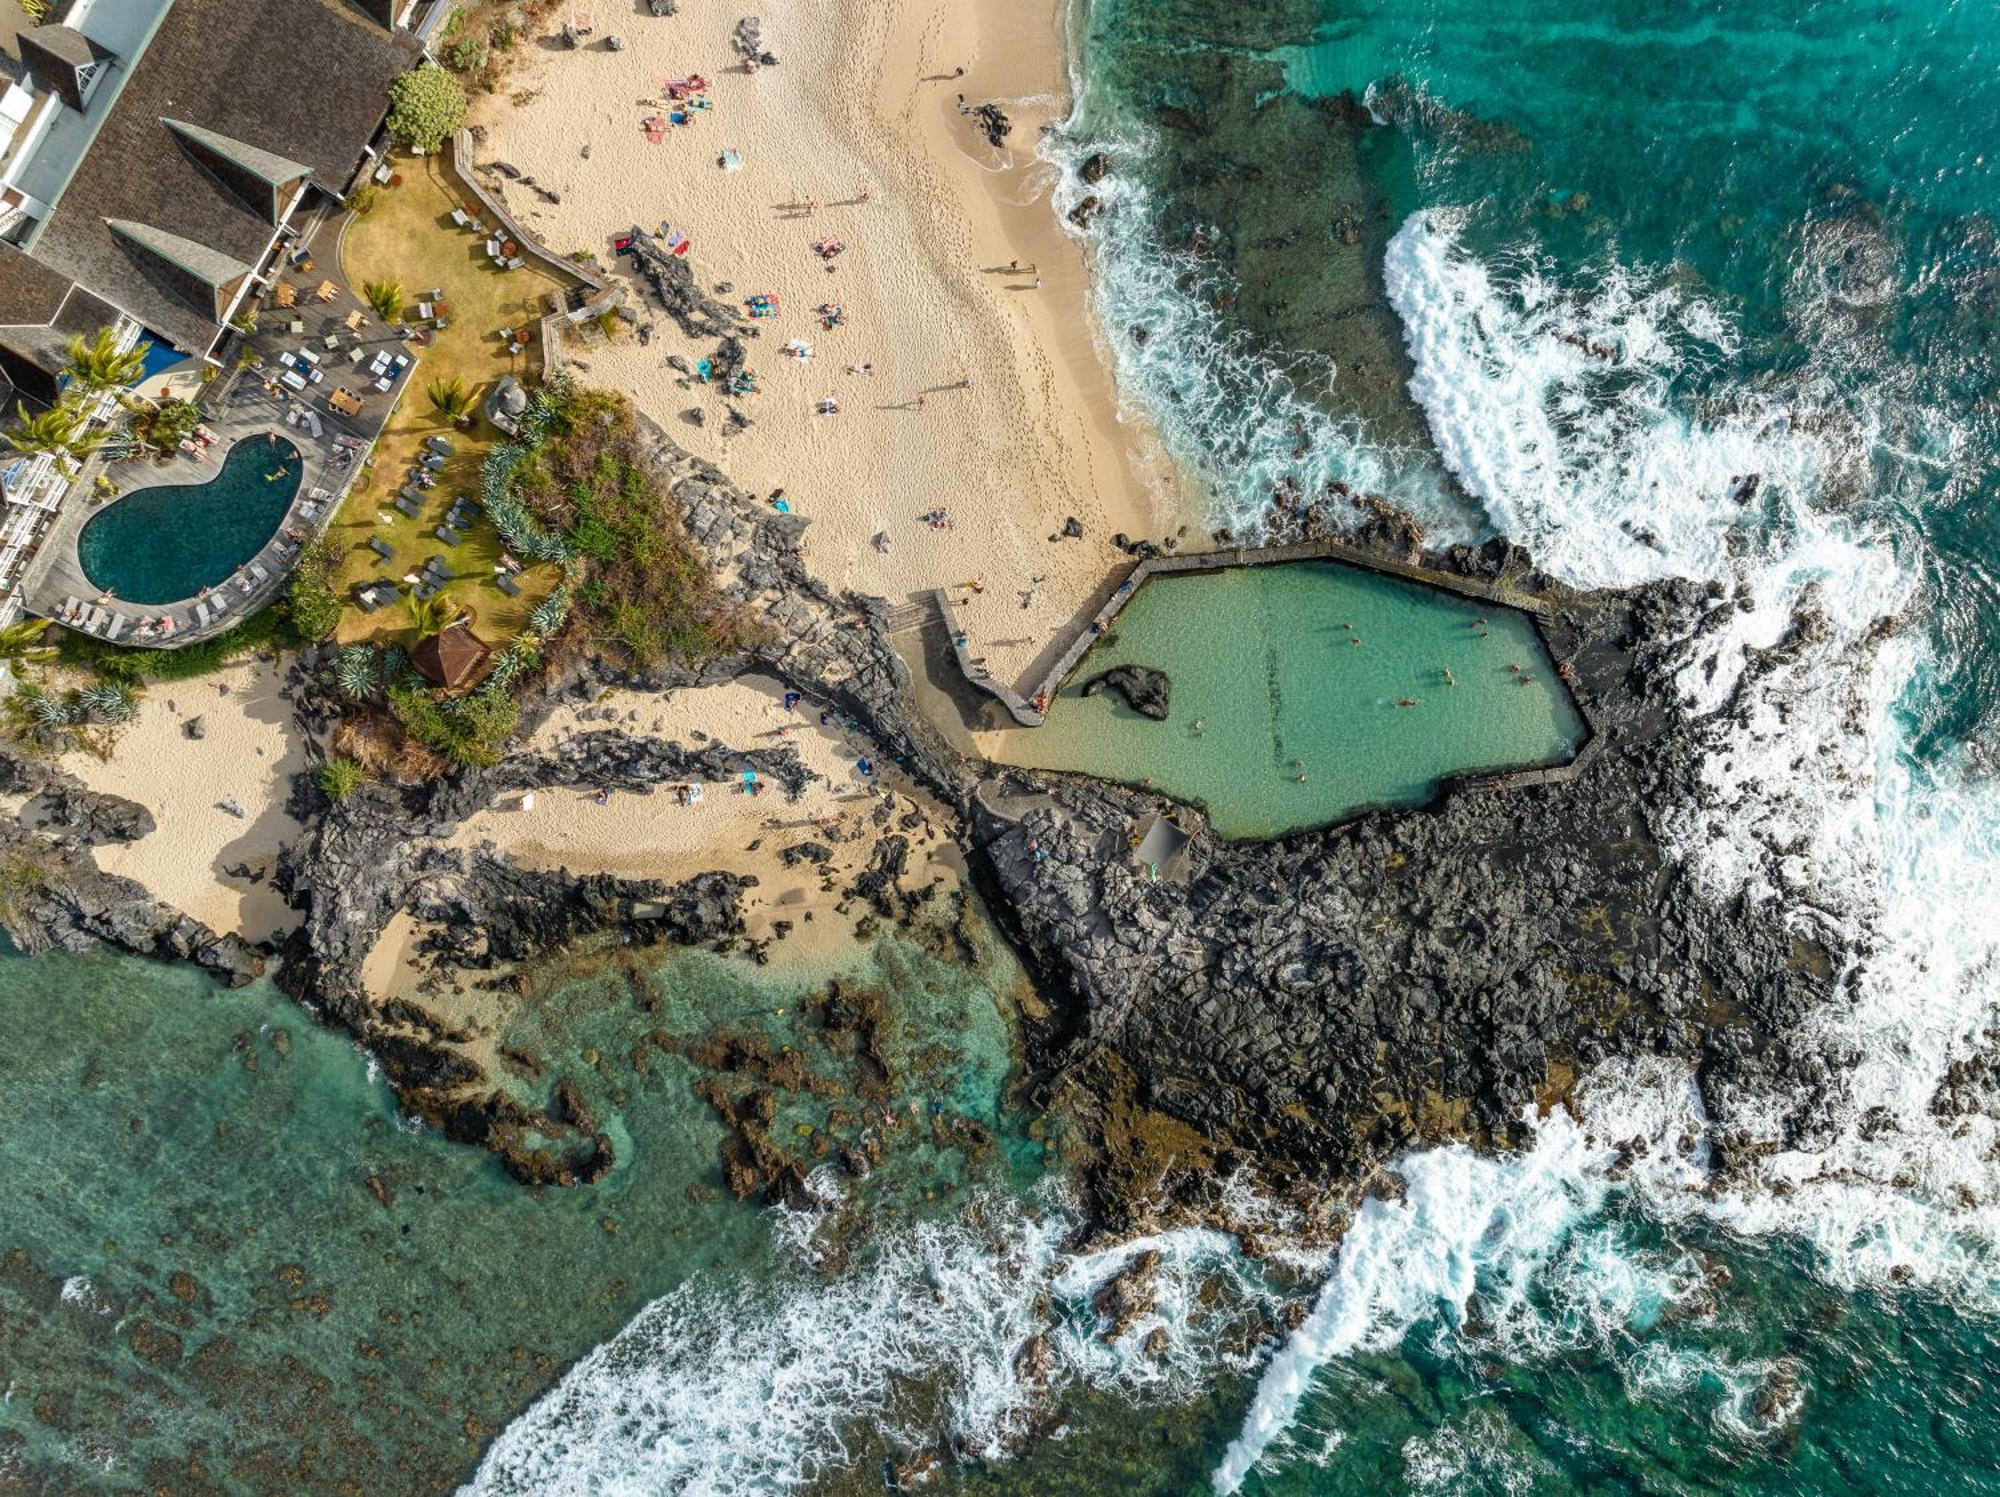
x,y
1028,709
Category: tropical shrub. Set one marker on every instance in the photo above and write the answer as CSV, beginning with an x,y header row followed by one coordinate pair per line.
x,y
100,365
426,107
340,778
468,730
384,298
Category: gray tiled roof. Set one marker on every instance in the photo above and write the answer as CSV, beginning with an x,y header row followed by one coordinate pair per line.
x,y
268,165
299,81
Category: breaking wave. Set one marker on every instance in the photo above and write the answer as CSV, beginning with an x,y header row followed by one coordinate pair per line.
x,y
951,1338
1594,422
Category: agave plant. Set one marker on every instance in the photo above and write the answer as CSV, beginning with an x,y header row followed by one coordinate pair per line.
x,y
108,702
54,711
100,364
355,672
547,616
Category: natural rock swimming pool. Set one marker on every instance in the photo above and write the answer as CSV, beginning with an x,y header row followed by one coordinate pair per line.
x,y
168,542
1304,692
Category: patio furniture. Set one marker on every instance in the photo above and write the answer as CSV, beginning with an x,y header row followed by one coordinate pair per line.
x,y
328,291
201,614
219,601
356,320
288,358
317,375
449,536
345,402
388,592
459,217
257,571
364,594
514,264
424,311
506,583
118,622
296,325
385,384
308,356
407,508
381,548
285,294
438,565
439,445
492,249
292,379
330,342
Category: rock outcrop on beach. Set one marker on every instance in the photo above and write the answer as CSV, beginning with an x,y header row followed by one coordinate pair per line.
x,y
1308,1006
1318,1003
1146,691
53,896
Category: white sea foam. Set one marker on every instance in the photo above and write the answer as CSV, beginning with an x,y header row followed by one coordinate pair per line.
x,y
729,1387
1815,807
1563,410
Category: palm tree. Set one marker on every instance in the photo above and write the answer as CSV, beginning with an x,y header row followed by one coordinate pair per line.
x,y
449,400
20,644
62,429
100,365
432,615
385,298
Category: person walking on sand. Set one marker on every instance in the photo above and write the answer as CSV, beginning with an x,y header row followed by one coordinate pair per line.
x,y
812,207
1038,283
920,400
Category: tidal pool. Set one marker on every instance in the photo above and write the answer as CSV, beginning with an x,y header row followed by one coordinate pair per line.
x,y
1307,691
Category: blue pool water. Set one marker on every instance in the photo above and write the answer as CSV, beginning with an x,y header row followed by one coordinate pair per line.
x,y
163,544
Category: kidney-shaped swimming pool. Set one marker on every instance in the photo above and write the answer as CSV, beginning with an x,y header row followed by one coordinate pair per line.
x,y
168,542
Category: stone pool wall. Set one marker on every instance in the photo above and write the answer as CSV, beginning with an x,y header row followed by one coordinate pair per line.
x,y
1088,631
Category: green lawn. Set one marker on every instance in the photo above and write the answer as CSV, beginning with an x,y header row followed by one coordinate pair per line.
x,y
407,237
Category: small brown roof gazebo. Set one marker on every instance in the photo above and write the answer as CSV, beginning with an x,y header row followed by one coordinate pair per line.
x,y
446,658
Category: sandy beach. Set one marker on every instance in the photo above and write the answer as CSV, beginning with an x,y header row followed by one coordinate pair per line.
x,y
197,856
953,270
654,836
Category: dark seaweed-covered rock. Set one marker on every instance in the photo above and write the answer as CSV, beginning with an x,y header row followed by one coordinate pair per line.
x,y
1146,690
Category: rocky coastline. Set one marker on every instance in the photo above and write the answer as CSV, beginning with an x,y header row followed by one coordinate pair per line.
x,y
1306,1007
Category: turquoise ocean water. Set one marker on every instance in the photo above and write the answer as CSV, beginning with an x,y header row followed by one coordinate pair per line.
x,y
1571,273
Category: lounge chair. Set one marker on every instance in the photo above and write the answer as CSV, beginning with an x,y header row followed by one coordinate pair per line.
x,y
458,217
118,622
412,510
449,536
364,594
257,571
388,592
381,548
506,583
439,444
201,614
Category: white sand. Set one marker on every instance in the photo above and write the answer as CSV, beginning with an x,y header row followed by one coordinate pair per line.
x,y
250,752
923,279
653,836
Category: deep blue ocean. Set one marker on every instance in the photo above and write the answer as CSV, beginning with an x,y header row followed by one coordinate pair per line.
x,y
1655,289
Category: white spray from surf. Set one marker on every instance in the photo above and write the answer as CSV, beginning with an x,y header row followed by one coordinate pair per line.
x,y
1556,410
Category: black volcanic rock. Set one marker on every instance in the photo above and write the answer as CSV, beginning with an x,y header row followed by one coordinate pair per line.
x,y
1145,689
